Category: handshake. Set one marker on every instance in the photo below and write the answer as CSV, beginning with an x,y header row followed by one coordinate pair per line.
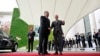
x,y
49,28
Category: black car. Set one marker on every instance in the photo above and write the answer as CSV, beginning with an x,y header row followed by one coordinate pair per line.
x,y
7,43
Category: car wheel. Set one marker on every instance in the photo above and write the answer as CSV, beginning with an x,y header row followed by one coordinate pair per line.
x,y
14,49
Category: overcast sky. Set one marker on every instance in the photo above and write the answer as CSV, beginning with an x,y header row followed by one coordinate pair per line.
x,y
7,5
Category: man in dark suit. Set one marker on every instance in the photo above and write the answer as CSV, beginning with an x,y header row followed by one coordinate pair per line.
x,y
83,40
95,38
31,35
78,40
57,32
89,39
70,42
44,31
98,37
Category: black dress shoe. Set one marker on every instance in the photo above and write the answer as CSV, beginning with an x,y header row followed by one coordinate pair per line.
x,y
60,53
28,51
39,53
47,53
55,53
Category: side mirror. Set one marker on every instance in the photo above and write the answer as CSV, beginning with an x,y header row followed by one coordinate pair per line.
x,y
10,36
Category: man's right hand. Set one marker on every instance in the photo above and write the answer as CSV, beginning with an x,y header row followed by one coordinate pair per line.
x,y
63,22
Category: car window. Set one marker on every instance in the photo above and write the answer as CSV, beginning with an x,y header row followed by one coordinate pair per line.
x,y
1,32
5,34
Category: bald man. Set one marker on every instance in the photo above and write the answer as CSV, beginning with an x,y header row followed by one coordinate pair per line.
x,y
57,32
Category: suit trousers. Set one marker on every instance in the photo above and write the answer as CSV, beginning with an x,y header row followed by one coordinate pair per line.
x,y
30,45
58,43
43,40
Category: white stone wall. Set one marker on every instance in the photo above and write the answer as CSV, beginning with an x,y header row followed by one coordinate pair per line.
x,y
78,27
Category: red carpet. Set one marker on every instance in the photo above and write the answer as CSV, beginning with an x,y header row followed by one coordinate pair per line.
x,y
51,54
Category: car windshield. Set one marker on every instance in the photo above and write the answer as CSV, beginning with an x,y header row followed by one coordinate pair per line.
x,y
3,33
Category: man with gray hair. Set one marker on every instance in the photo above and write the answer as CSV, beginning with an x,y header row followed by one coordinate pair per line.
x,y
57,32
44,31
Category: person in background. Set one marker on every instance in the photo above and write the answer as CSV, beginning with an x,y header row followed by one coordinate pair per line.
x,y
89,39
70,43
31,35
49,45
95,38
73,42
98,37
83,40
66,43
78,40
52,45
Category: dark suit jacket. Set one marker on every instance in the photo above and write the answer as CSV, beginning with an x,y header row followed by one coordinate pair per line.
x,y
31,34
44,25
57,27
89,38
97,35
82,38
77,37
